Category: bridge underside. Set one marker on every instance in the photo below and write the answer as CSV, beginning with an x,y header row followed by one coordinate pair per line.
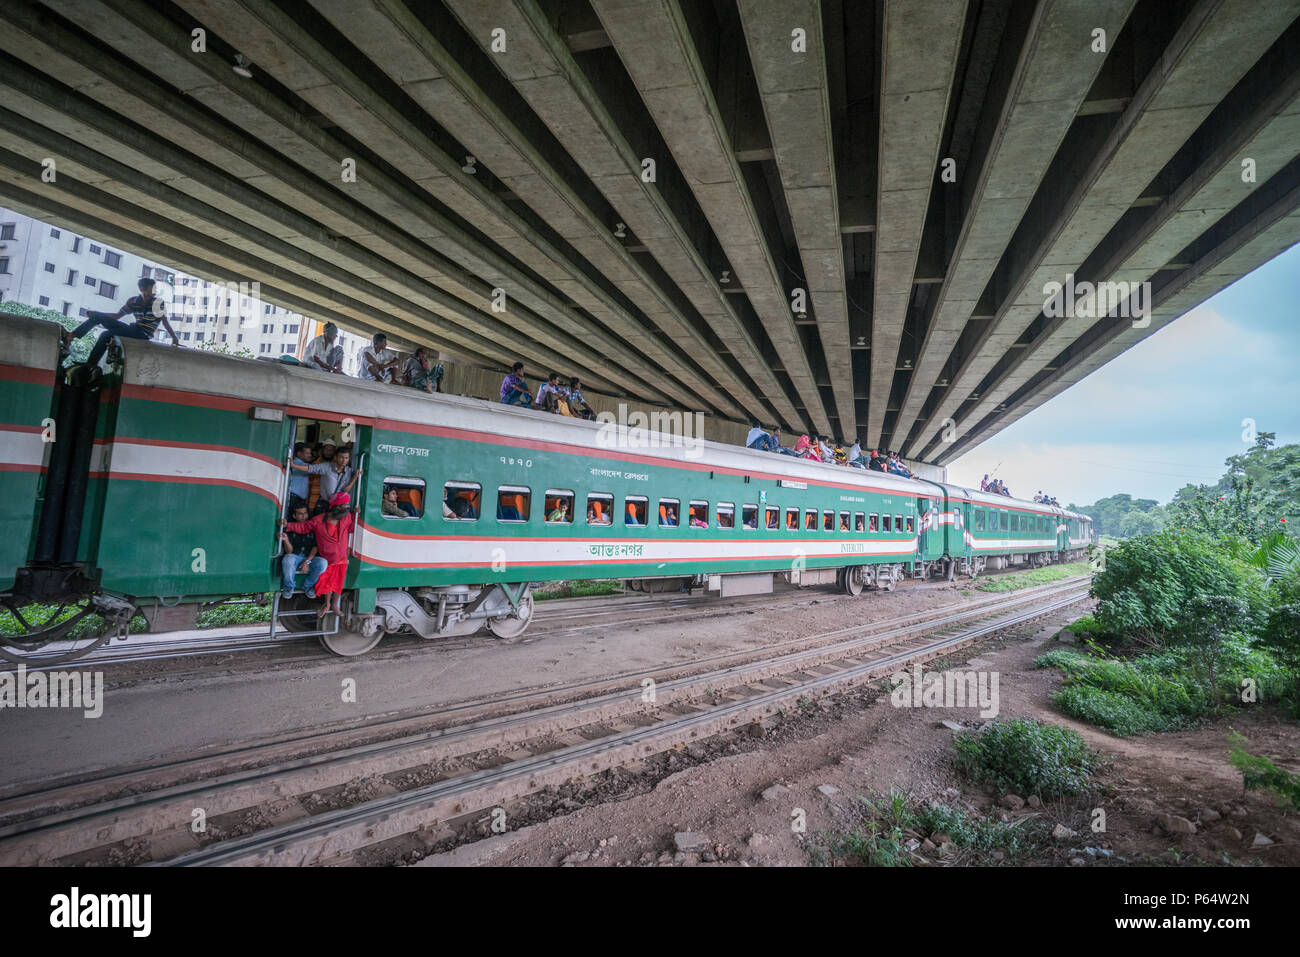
x,y
837,215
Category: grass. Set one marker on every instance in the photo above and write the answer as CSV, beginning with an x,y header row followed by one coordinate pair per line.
x,y
1163,691
578,589
889,824
1026,757
1039,576
234,613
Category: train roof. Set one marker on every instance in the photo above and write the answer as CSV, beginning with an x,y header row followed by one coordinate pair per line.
x,y
1002,501
155,365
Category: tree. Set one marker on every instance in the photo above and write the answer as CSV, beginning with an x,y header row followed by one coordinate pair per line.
x,y
1207,623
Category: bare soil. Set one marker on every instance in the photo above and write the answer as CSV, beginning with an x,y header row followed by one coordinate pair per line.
x,y
836,750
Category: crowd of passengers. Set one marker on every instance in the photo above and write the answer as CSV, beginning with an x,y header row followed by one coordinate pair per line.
x,y
824,448
998,487
378,362
552,395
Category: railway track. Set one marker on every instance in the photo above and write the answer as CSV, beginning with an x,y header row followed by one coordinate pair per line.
x,y
472,760
570,616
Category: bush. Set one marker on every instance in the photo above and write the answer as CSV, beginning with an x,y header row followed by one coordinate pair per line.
x,y
1258,771
1026,757
1149,583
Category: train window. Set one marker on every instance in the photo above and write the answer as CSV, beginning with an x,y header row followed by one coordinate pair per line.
x,y
513,503
1015,522
844,521
898,523
859,522
749,516
634,509
771,516
1005,521
403,497
600,509
828,521
979,519
873,523
726,515
792,519
911,523
810,519
887,523
559,506
670,513
461,501
698,516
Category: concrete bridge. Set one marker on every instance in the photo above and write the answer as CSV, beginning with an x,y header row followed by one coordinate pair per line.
x,y
840,216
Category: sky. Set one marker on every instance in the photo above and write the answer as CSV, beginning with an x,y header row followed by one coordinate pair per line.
x,y
1168,411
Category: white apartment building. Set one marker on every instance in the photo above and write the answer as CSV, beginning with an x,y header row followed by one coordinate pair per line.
x,y
43,265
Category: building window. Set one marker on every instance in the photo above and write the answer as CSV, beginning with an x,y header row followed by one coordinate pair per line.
x,y
7,231
76,244
113,260
67,307
44,300
90,281
4,264
49,267
54,234
108,290
72,277
286,349
293,329
95,250
81,313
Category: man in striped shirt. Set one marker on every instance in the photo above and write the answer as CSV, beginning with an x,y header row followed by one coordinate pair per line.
x,y
146,309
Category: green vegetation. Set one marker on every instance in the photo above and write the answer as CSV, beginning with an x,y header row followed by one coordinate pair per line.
x,y
80,348
1026,757
888,826
227,615
577,589
1039,576
1259,772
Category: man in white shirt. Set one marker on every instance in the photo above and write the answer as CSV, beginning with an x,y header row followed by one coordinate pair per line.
x,y
378,362
324,352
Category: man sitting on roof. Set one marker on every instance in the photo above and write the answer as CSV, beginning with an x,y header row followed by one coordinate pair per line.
x,y
514,390
758,438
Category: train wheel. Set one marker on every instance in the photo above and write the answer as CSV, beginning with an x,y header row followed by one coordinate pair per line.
x,y
298,622
852,582
348,642
35,630
513,627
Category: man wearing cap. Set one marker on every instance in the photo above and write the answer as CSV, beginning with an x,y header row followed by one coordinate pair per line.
x,y
323,352
146,309
332,530
336,476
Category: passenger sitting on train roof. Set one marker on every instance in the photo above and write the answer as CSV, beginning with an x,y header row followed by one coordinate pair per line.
x,y
378,362
336,476
877,462
804,449
299,557
391,506
547,393
323,352
984,483
147,310
418,374
514,390
577,404
758,438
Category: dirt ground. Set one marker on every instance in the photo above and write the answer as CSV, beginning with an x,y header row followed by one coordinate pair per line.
x,y
736,800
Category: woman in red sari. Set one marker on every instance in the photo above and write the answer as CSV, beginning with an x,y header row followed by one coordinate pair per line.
x,y
331,529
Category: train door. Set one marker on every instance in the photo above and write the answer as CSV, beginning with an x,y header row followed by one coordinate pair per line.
x,y
930,545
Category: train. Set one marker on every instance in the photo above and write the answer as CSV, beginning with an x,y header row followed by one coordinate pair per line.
x,y
156,490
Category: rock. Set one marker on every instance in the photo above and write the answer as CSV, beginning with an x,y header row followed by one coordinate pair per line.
x,y
1077,862
1232,834
911,844
1062,833
758,840
603,842
708,857
941,838
775,791
577,857
947,850
1066,636
1239,812
1210,814
1012,802
1034,801
1004,817
929,846
952,725
1175,825
829,790
665,858
690,841
998,854
1261,841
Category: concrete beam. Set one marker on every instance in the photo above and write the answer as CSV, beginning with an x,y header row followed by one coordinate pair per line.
x,y
1053,74
796,103
920,43
1213,48
654,44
